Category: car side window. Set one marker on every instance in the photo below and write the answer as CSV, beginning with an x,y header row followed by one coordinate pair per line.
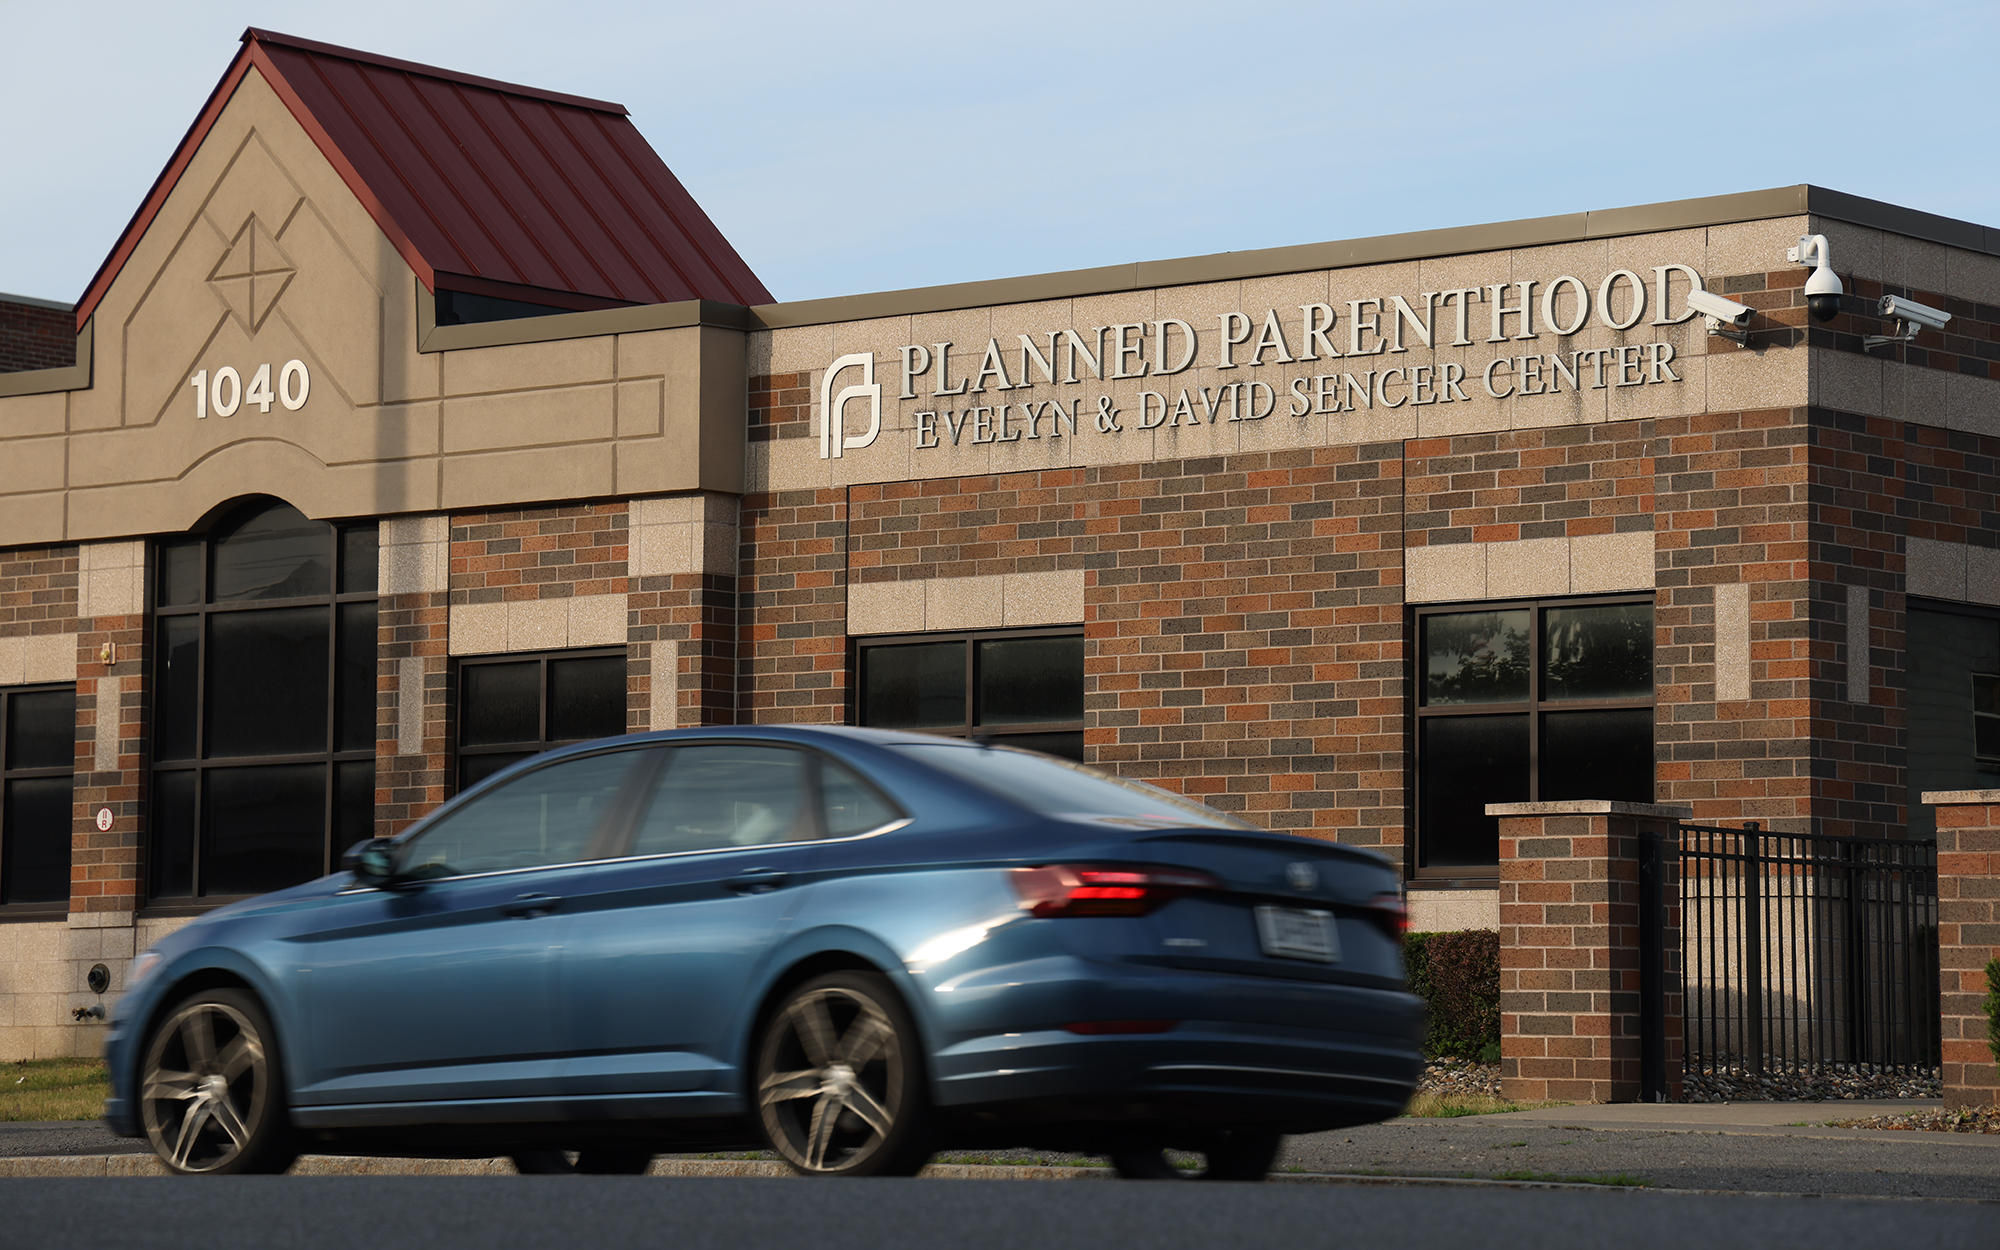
x,y
727,794
852,805
547,816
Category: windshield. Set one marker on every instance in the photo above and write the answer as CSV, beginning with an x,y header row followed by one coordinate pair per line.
x,y
1057,787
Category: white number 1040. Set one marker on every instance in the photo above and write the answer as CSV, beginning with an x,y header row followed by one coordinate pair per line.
x,y
225,393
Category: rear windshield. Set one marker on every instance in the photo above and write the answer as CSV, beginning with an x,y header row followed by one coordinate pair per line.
x,y
1057,787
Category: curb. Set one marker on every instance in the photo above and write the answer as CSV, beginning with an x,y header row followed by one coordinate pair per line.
x,y
136,1164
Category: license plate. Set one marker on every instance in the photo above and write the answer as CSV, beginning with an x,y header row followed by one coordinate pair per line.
x,y
1294,933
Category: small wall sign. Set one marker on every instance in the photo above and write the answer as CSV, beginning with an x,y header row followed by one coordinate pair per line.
x,y
103,820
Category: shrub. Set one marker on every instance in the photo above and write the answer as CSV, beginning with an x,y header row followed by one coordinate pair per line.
x,y
1993,1007
1458,977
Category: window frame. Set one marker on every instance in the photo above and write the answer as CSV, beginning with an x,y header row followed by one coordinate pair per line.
x,y
971,729
51,907
200,763
542,744
1534,708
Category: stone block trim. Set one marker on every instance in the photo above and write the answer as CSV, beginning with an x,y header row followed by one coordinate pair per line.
x,y
1968,838
1570,1009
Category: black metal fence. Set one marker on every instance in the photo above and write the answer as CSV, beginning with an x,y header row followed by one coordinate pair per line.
x,y
1802,952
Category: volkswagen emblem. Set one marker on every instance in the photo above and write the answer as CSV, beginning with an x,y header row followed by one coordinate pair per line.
x,y
1301,875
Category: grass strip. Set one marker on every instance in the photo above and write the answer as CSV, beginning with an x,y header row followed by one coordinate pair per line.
x,y
53,1089
1445,1106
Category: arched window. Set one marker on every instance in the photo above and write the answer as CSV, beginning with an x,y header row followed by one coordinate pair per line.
x,y
264,703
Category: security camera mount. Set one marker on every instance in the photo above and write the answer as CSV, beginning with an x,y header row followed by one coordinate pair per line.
x,y
1725,318
1910,316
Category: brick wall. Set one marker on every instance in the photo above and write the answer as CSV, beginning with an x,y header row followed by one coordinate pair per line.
x,y
780,406
1236,609
1732,508
538,553
1560,482
38,588
33,336
792,614
1968,833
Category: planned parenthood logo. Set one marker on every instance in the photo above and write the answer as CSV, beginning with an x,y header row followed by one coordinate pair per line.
x,y
833,436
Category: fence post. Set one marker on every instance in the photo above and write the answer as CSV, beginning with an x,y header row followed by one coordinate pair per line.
x,y
1753,943
1573,1024
1968,882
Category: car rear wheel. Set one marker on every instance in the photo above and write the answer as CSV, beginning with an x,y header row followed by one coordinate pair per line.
x,y
210,1095
839,1080
1238,1154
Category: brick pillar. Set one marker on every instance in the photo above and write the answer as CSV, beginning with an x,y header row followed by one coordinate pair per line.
x,y
414,741
1968,851
1571,1011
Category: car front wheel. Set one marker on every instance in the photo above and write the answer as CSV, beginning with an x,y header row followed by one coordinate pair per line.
x,y
839,1080
210,1094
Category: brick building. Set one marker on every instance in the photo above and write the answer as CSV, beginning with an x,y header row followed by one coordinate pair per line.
x,y
401,468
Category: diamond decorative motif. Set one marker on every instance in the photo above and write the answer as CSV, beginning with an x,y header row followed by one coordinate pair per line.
x,y
252,274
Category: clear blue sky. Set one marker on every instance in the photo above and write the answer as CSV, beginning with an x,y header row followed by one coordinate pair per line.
x,y
848,147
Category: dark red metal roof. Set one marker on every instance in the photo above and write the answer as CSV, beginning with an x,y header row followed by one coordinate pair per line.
x,y
484,186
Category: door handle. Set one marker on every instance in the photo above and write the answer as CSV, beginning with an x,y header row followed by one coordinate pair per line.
x,y
756,880
528,905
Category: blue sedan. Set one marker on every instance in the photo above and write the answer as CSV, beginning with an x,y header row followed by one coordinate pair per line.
x,y
848,946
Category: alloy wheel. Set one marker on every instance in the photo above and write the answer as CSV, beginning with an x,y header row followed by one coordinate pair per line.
x,y
206,1089
836,1087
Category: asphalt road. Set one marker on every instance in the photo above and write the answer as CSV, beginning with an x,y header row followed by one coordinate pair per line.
x,y
499,1213
1747,1149
1809,1160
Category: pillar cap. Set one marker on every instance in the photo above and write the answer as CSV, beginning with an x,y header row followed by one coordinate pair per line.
x,y
1590,807
1961,796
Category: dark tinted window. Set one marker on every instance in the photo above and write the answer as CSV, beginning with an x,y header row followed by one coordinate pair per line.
x,y
264,716
1059,788
852,805
727,794
545,816
1525,702
1023,688
514,706
37,794
274,554
1953,666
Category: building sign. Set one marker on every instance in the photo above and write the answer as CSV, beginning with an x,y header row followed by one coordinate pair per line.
x,y
1297,361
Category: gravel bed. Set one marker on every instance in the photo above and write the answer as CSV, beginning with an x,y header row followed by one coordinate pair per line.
x,y
1459,1076
1784,1081
1965,1120
1781,1081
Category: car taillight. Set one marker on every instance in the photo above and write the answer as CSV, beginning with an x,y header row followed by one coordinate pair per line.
x,y
1389,911
1076,890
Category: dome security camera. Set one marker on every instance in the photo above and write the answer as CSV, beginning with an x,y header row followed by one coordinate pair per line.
x,y
1823,289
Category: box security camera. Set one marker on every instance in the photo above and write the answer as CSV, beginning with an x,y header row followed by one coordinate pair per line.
x,y
1717,308
1911,311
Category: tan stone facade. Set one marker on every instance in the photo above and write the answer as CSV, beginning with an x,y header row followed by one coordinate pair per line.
x,y
1236,475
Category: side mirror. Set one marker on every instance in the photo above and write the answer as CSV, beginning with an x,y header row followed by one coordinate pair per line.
x,y
372,861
